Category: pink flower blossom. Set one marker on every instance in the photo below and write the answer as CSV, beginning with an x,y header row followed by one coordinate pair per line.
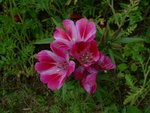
x,y
78,39
54,67
89,83
87,75
82,30
80,73
87,79
104,63
85,52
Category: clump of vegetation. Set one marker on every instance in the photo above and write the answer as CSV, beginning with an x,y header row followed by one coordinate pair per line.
x,y
123,33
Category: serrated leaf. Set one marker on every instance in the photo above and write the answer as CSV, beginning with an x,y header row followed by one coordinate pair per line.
x,y
44,41
129,81
128,99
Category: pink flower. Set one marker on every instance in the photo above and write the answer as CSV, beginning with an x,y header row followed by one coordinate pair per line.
x,y
85,52
87,75
54,67
80,73
77,40
86,29
87,79
89,83
82,30
104,63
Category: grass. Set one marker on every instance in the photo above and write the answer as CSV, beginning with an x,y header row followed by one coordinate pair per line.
x,y
123,33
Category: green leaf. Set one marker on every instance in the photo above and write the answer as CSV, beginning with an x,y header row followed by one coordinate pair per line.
x,y
129,80
129,98
130,40
56,21
111,109
122,67
100,31
147,109
120,75
1,1
44,41
111,55
133,109
133,67
68,2
75,2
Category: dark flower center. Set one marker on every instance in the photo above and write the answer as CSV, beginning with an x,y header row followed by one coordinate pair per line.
x,y
62,66
86,57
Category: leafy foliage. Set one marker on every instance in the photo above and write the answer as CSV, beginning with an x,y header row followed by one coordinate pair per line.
x,y
123,32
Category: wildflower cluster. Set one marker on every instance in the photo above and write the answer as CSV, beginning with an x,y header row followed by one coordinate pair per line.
x,y
74,43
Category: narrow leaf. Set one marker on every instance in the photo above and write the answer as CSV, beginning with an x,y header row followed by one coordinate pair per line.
x,y
44,41
111,55
130,40
56,22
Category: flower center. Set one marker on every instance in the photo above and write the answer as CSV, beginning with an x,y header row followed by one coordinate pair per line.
x,y
86,57
62,66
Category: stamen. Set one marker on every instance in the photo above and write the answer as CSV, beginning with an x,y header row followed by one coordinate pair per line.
x,y
62,66
86,57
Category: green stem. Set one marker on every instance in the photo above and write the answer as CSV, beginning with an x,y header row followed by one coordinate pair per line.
x,y
146,71
111,5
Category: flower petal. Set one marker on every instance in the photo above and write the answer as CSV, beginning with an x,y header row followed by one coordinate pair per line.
x,y
89,83
54,81
90,32
46,56
43,66
94,50
70,68
91,69
71,29
80,73
86,29
81,27
105,62
60,52
61,34
61,44
77,48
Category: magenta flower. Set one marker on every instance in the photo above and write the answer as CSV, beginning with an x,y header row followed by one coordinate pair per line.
x,y
104,63
89,83
86,29
54,67
80,73
82,30
85,52
87,79
87,75
76,40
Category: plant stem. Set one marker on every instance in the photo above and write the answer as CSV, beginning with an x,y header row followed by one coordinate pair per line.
x,y
113,11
